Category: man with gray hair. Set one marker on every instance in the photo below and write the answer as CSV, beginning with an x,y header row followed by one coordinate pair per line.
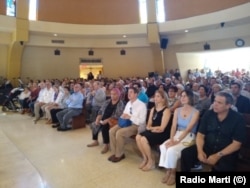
x,y
74,108
99,98
219,138
45,96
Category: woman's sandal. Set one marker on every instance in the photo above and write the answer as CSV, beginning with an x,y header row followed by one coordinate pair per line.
x,y
143,163
171,180
147,167
166,177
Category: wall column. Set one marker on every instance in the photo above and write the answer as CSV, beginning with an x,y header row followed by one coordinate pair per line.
x,y
19,37
153,36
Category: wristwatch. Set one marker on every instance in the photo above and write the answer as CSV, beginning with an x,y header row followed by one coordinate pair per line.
x,y
220,154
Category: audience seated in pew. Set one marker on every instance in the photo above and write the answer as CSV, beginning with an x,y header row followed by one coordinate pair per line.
x,y
173,103
204,102
74,108
141,95
112,108
241,102
183,131
45,97
23,98
135,111
172,100
219,138
98,99
60,107
56,102
157,130
34,93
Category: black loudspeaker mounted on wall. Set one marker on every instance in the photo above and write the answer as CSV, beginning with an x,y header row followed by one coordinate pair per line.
x,y
91,52
21,43
206,46
57,52
123,52
164,43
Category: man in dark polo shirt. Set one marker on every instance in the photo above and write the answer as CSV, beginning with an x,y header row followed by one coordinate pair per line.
x,y
219,138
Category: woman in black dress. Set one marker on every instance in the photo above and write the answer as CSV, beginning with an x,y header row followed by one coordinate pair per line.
x,y
157,130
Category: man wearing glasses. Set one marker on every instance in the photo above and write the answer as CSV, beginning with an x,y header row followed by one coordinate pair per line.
x,y
135,111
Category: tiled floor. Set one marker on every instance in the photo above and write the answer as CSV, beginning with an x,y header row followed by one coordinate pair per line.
x,y
38,156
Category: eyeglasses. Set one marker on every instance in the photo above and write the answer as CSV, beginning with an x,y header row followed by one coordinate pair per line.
x,y
130,110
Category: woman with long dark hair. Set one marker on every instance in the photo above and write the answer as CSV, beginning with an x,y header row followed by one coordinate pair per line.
x,y
183,133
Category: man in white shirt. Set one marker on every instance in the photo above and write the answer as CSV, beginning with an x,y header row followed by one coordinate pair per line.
x,y
45,97
136,111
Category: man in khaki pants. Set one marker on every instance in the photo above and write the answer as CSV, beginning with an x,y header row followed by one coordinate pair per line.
x,y
45,96
136,112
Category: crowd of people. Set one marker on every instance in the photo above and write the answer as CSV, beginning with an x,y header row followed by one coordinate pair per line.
x,y
199,121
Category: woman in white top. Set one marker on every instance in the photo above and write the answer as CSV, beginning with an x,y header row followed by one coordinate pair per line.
x,y
182,135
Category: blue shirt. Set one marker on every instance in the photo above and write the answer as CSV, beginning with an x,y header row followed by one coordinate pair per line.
x,y
182,123
75,100
143,97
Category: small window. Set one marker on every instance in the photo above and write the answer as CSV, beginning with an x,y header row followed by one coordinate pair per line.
x,y
10,7
143,11
32,9
160,11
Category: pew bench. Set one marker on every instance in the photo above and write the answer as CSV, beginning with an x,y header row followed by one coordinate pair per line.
x,y
80,120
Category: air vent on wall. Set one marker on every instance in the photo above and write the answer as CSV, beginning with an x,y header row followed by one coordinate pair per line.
x,y
58,41
90,60
121,42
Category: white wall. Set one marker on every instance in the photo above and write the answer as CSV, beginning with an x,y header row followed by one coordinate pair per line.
x,y
189,56
40,62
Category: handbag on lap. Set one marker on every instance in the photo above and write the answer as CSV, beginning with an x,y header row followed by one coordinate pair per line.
x,y
124,122
112,122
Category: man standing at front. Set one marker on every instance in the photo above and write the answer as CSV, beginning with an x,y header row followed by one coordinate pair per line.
x,y
136,112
